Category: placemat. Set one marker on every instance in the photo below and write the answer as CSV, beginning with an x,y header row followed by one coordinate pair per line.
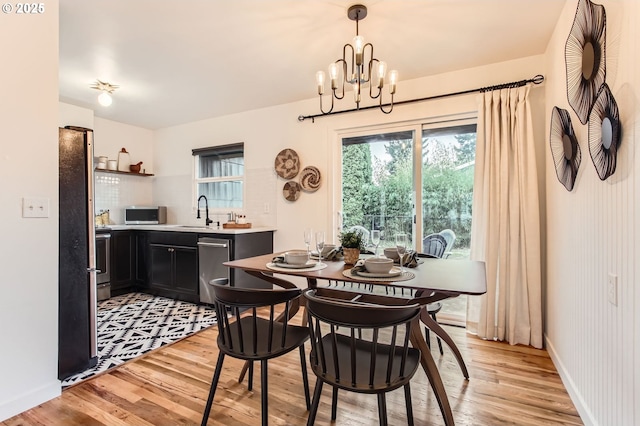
x,y
315,267
406,276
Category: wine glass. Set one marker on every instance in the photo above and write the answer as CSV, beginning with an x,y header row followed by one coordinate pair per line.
x,y
308,235
320,245
375,240
401,247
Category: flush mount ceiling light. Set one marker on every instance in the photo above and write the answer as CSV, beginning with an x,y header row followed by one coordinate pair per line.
x,y
359,68
107,89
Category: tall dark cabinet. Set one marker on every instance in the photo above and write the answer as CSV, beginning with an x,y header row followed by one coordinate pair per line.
x,y
123,262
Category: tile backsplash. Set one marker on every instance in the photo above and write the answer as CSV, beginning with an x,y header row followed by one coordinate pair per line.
x,y
114,192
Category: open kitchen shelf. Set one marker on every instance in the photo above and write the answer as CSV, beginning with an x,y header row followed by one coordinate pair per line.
x,y
122,173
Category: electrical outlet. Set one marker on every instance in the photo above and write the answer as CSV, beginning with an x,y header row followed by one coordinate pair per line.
x,y
266,208
35,207
612,289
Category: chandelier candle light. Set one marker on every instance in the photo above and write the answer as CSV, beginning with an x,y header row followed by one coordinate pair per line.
x,y
357,68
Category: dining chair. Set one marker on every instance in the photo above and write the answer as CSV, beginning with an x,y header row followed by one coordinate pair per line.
x,y
434,245
254,338
361,345
450,238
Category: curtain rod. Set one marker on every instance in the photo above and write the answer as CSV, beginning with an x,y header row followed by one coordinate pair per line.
x,y
538,79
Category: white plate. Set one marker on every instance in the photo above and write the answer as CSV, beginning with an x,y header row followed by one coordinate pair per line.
x,y
292,266
394,272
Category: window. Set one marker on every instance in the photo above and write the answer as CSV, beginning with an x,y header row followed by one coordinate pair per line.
x,y
448,160
377,183
219,175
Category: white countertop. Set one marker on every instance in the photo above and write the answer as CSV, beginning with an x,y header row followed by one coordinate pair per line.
x,y
200,229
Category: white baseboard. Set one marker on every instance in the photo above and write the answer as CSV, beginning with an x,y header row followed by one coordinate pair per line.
x,y
30,399
574,393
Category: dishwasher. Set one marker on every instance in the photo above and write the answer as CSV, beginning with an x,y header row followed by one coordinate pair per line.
x,y
212,253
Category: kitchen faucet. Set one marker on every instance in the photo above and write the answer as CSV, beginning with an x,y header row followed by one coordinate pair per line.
x,y
207,221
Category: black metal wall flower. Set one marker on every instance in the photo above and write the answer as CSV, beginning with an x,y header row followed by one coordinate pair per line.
x,y
585,57
565,150
604,133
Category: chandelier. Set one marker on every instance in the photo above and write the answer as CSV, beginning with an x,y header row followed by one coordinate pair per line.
x,y
358,68
106,90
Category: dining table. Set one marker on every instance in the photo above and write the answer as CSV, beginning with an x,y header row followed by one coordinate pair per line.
x,y
431,280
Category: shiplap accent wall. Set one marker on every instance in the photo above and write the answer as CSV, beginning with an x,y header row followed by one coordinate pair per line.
x,y
594,231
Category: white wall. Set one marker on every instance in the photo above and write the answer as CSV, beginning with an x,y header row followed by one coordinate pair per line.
x,y
593,231
112,136
72,115
267,131
113,192
28,168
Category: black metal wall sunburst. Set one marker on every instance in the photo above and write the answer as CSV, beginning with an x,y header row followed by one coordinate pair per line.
x,y
585,57
565,150
604,133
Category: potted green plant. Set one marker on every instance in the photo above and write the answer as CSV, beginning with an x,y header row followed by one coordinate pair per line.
x,y
352,243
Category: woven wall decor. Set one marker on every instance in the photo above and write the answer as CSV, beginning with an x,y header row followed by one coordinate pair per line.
x,y
310,179
291,191
565,150
604,133
585,57
287,164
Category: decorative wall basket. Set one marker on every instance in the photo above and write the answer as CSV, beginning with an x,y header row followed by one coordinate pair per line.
x,y
585,57
310,179
604,133
565,150
287,164
291,191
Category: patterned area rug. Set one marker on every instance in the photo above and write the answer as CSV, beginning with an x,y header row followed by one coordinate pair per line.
x,y
135,323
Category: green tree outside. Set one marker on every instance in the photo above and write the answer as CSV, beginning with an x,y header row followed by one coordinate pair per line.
x,y
377,194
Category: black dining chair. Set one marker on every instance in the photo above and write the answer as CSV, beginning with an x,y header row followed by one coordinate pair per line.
x,y
434,245
361,345
254,338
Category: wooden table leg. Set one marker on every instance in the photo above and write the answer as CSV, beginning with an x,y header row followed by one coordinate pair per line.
x,y
440,332
429,366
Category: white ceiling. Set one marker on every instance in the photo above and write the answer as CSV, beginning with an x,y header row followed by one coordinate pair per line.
x,y
178,61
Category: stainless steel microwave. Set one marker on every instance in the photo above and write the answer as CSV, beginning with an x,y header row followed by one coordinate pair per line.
x,y
144,215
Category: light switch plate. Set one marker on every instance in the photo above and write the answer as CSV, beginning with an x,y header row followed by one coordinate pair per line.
x,y
35,207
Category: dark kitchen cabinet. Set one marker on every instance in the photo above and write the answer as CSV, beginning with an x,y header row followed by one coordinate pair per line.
x,y
123,262
142,258
173,265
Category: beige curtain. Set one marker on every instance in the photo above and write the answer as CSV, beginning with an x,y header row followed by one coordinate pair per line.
x,y
505,231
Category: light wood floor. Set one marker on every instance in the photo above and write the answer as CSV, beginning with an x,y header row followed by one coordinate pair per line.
x,y
508,385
